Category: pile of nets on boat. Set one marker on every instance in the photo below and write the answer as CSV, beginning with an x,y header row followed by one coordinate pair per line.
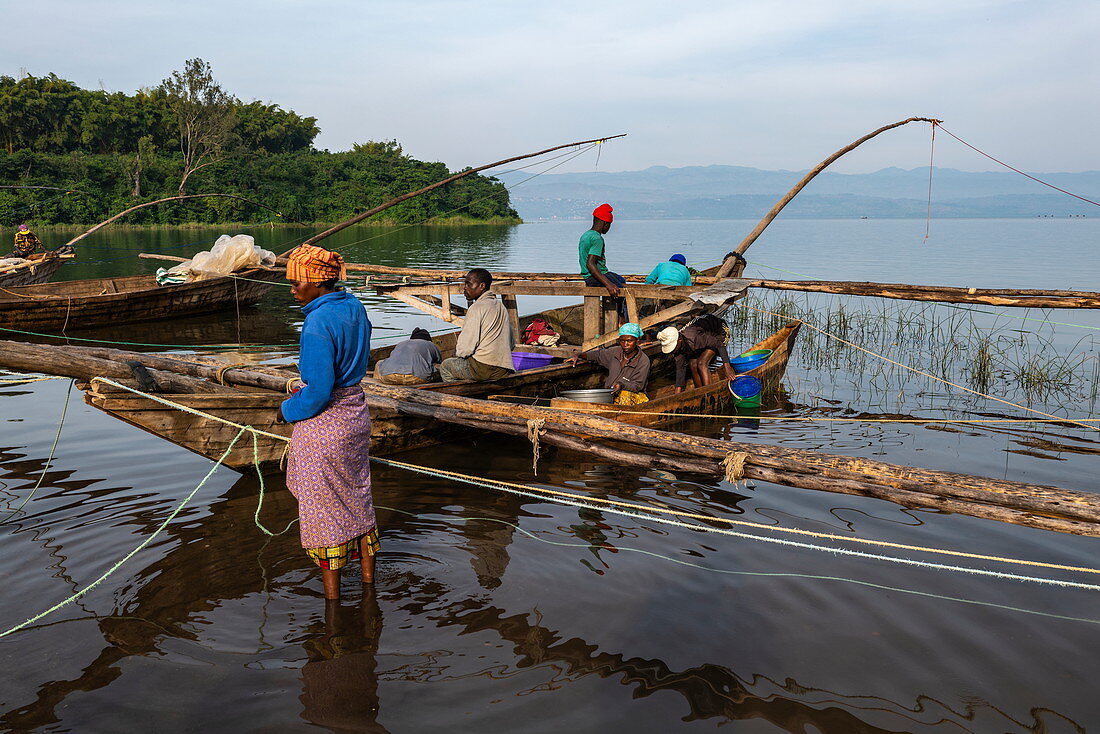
x,y
228,255
10,262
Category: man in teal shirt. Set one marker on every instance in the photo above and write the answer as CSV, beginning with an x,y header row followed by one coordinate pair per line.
x,y
673,272
594,262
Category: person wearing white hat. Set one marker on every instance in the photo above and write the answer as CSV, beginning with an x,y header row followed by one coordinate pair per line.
x,y
694,347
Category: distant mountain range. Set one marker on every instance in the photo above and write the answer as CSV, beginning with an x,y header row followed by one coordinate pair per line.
x,y
736,192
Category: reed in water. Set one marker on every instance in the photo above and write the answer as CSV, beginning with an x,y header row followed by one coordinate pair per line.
x,y
1019,360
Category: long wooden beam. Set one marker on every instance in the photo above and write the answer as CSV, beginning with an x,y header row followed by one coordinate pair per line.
x,y
555,288
1009,297
497,275
557,284
449,275
1026,504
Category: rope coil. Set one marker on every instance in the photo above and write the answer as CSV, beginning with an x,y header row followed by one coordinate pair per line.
x,y
534,427
734,466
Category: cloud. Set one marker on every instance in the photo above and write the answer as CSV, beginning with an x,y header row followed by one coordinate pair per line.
x,y
772,85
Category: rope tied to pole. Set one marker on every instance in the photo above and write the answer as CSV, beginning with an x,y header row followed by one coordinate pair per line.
x,y
534,427
734,466
220,376
652,512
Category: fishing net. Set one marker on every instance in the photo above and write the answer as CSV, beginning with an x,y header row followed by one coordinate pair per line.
x,y
228,255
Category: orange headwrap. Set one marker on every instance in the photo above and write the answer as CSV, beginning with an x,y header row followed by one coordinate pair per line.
x,y
312,264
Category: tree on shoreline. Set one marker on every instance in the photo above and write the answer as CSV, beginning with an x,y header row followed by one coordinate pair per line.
x,y
115,149
204,113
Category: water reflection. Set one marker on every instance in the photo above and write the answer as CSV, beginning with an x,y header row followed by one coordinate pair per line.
x,y
220,557
340,678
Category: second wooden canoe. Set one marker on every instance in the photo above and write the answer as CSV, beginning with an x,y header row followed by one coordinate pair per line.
x,y
77,304
666,404
32,272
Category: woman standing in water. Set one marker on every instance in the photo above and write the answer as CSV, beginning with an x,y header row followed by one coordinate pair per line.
x,y
329,466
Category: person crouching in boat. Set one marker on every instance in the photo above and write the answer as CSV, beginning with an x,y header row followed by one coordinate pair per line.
x,y
627,366
412,362
328,470
694,347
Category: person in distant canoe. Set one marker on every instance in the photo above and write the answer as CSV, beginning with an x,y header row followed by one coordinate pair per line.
x,y
328,470
627,366
411,362
672,272
593,258
694,347
484,348
26,242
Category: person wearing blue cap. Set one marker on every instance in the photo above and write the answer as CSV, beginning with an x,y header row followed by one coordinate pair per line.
x,y
627,366
672,272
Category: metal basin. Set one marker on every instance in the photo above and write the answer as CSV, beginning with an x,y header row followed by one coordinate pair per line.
x,y
593,395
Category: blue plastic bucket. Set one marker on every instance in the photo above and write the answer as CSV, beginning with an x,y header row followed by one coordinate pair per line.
x,y
745,390
750,360
530,360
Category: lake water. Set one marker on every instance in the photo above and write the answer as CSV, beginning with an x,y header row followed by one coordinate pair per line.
x,y
499,613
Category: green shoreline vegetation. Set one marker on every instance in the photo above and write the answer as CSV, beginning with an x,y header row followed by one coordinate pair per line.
x,y
109,151
279,223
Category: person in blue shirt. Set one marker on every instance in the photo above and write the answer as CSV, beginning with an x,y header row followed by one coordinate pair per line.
x,y
673,272
328,469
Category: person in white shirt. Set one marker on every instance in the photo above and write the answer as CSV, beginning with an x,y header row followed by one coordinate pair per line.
x,y
484,348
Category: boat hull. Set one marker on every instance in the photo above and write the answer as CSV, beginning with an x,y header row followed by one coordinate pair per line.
x,y
87,303
31,274
667,405
392,432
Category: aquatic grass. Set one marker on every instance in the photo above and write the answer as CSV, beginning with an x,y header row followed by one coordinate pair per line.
x,y
980,370
982,351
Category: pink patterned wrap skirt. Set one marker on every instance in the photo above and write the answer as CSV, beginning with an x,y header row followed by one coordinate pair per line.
x,y
328,471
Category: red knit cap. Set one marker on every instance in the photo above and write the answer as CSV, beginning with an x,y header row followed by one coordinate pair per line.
x,y
603,213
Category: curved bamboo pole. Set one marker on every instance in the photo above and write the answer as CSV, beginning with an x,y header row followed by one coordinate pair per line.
x,y
734,266
123,213
405,197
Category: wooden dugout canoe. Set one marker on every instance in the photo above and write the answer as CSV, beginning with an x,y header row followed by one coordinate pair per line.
x,y
708,399
78,304
392,432
32,272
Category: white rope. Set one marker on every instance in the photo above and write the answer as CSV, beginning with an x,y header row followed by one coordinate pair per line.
x,y
747,536
535,493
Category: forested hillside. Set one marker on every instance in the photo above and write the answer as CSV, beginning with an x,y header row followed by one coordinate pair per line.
x,y
108,151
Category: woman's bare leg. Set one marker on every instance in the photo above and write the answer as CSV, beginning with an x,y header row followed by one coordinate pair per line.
x,y
331,579
367,561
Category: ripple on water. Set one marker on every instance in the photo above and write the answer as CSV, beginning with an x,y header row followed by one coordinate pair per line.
x,y
584,625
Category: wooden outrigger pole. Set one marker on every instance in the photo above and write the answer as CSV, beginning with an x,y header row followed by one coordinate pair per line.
x,y
734,264
450,179
124,212
203,384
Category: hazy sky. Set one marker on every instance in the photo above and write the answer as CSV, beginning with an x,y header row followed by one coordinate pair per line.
x,y
761,83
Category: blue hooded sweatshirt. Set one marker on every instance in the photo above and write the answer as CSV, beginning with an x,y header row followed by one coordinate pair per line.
x,y
335,348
